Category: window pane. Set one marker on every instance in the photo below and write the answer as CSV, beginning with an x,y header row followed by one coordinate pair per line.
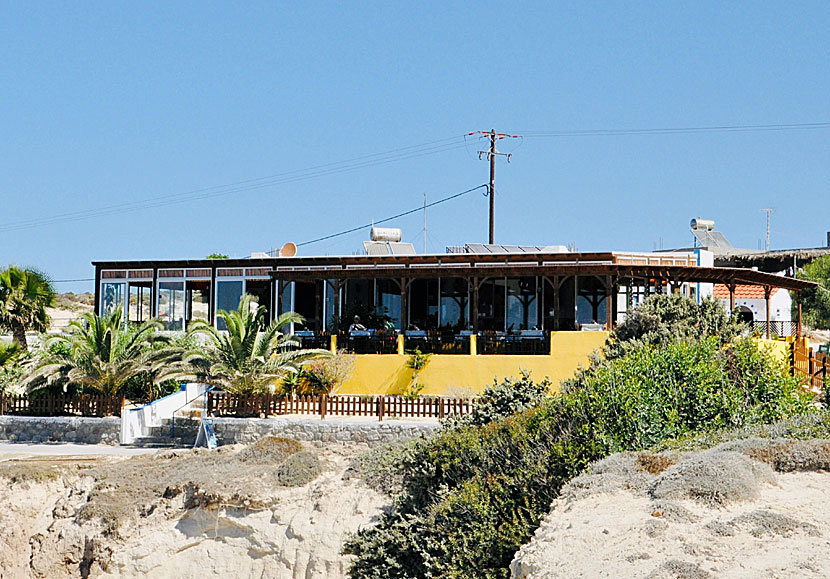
x,y
455,303
330,316
140,299
171,304
228,294
423,304
491,305
388,301
112,297
522,304
198,300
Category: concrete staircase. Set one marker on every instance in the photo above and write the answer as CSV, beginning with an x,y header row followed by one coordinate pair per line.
x,y
178,433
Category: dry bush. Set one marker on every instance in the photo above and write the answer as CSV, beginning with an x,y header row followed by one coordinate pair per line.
x,y
675,569
793,455
269,450
653,463
299,469
765,523
714,478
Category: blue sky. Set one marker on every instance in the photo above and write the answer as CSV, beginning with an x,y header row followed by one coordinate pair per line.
x,y
105,104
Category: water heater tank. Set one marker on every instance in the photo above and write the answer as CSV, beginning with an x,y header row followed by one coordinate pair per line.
x,y
386,234
705,224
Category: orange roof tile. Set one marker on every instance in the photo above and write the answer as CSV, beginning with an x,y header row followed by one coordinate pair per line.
x,y
742,292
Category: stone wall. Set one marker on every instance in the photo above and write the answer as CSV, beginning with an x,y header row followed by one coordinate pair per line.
x,y
228,430
60,429
318,432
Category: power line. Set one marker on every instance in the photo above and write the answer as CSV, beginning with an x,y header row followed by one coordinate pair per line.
x,y
365,161
387,219
72,280
675,130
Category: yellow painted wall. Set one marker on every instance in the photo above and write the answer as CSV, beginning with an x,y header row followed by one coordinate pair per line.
x,y
779,348
448,374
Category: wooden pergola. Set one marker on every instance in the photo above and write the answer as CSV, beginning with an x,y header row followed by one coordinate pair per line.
x,y
657,271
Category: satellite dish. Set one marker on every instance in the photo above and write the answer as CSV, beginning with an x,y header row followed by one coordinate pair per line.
x,y
288,250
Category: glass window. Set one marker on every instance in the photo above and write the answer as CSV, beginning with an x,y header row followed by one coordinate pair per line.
x,y
388,301
423,304
198,300
491,294
141,296
171,304
590,303
305,302
522,302
112,297
330,316
228,294
455,303
260,290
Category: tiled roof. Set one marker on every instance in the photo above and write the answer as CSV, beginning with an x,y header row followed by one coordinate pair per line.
x,y
742,292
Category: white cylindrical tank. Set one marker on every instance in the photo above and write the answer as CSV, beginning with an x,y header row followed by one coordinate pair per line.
x,y
706,224
386,234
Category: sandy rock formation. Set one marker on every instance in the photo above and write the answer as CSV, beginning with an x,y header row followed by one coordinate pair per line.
x,y
69,526
718,513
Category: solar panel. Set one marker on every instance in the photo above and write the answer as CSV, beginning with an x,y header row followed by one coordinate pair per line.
x,y
711,239
401,248
376,247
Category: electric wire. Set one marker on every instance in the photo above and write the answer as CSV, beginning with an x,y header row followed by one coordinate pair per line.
x,y
675,130
387,219
404,153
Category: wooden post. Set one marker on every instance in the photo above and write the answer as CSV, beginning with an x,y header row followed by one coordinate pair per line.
x,y
609,303
473,345
400,344
333,344
767,294
381,404
798,325
322,406
474,308
731,287
2,403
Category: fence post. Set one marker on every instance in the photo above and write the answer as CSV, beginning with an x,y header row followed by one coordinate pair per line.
x,y
441,408
2,403
792,358
322,406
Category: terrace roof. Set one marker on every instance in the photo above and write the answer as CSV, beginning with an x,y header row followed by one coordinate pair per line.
x,y
616,264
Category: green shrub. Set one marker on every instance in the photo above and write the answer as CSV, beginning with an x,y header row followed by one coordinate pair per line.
x,y
381,467
503,399
299,469
473,495
665,319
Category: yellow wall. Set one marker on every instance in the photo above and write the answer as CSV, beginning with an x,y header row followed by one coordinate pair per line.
x,y
448,374
779,348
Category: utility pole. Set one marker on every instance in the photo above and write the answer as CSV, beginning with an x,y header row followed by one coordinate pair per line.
x,y
491,156
768,212
425,223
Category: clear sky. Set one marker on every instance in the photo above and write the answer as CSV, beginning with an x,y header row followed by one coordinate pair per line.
x,y
111,103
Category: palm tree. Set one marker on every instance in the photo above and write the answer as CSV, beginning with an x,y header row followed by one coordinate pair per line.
x,y
24,296
98,352
249,357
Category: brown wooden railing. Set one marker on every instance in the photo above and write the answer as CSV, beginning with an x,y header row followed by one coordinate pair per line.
x,y
814,367
380,407
56,405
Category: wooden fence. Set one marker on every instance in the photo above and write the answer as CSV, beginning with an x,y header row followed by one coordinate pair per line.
x,y
380,407
814,367
55,405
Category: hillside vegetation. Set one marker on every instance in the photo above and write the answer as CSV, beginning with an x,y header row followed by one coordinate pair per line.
x,y
475,492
